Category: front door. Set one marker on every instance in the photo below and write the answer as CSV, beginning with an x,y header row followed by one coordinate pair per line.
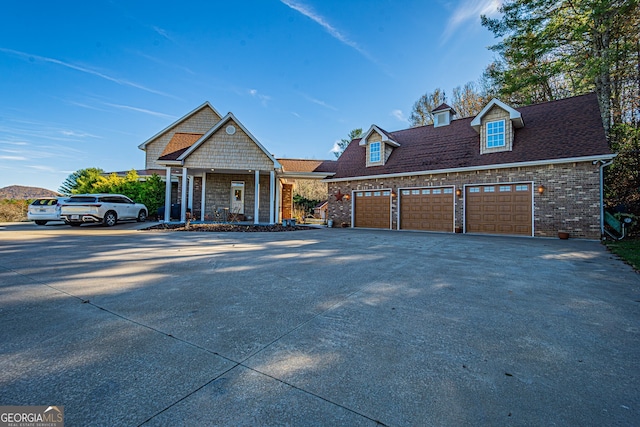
x,y
237,197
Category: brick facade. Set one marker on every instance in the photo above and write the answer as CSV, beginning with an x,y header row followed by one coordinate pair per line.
x,y
570,202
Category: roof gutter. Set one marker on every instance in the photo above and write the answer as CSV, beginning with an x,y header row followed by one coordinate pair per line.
x,y
594,159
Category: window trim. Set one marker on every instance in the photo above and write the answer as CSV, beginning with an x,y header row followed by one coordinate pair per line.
x,y
377,144
488,142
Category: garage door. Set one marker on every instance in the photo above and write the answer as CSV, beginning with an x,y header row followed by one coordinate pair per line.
x,y
499,209
428,209
373,209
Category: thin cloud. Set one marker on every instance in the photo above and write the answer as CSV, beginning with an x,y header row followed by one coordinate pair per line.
x,y
470,11
164,63
78,134
336,148
163,33
319,102
334,32
15,158
140,110
264,99
398,114
43,168
122,82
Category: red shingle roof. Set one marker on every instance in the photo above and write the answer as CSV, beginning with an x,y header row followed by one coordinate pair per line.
x,y
180,142
305,165
566,128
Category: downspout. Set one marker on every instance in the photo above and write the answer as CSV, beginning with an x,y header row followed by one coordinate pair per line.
x,y
603,165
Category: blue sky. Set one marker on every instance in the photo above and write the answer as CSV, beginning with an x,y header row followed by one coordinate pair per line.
x,y
84,83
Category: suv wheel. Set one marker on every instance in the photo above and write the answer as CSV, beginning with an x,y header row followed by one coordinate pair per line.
x,y
40,222
142,215
110,219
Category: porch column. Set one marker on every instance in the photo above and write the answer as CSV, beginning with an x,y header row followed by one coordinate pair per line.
x,y
183,196
278,201
256,205
272,196
167,196
204,183
190,204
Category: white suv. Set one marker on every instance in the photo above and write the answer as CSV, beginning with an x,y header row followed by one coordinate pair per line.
x,y
107,209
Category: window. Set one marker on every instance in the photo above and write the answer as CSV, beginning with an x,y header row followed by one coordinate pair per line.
x,y
437,191
504,188
405,192
448,191
374,152
426,191
474,190
376,193
522,188
386,193
415,192
495,134
489,189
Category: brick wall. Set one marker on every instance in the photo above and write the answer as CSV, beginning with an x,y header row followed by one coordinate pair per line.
x,y
570,202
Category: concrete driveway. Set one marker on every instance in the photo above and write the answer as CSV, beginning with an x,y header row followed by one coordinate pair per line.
x,y
320,327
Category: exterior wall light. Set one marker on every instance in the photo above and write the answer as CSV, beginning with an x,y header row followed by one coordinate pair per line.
x,y
458,192
347,197
541,189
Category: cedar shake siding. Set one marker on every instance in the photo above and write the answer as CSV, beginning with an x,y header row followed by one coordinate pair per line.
x,y
198,123
224,151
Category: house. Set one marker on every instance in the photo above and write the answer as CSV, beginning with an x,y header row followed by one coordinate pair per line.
x,y
529,171
321,210
212,164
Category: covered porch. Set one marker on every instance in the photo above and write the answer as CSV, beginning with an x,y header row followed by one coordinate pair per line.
x,y
221,195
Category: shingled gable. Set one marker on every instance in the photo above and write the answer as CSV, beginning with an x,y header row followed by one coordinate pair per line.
x,y
177,122
229,117
557,132
387,137
514,115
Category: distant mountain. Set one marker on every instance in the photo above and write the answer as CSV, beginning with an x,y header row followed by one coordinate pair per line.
x,y
20,192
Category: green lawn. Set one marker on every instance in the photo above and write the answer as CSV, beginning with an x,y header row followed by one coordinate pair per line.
x,y
628,250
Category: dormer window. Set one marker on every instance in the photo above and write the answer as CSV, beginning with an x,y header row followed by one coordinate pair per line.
x,y
441,119
496,124
442,115
374,152
495,134
378,144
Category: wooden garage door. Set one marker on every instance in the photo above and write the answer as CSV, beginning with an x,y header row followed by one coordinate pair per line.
x,y
499,209
426,209
373,209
